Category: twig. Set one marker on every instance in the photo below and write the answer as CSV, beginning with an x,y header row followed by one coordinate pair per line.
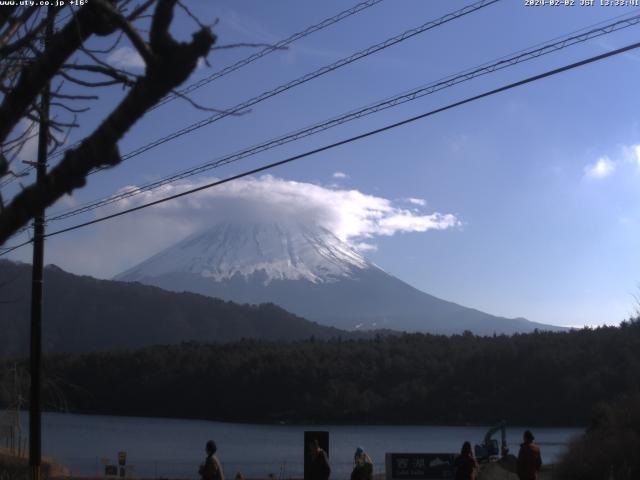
x,y
88,84
207,109
135,38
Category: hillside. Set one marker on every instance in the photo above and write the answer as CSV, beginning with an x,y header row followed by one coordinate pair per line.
x,y
83,314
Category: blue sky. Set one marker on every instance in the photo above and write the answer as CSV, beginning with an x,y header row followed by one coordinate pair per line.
x,y
543,181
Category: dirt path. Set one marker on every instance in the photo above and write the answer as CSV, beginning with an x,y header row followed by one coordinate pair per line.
x,y
495,471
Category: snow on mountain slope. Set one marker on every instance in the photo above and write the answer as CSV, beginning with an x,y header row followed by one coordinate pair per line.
x,y
310,272
276,250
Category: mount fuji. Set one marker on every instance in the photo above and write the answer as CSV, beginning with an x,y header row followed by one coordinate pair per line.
x,y
310,272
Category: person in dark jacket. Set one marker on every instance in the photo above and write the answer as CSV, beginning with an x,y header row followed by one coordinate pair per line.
x,y
465,464
319,468
529,459
211,469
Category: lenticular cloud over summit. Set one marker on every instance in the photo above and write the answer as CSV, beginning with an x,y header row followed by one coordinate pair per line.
x,y
350,214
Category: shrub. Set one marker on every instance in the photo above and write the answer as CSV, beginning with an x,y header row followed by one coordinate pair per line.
x,y
609,448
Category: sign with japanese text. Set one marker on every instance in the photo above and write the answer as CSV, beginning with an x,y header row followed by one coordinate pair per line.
x,y
420,466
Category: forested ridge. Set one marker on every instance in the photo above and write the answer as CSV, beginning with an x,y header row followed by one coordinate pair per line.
x,y
541,378
85,314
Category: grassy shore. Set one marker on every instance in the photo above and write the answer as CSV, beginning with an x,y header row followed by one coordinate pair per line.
x,y
16,468
496,471
13,467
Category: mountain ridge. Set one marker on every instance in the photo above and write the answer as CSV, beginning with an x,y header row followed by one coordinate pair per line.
x,y
85,314
347,291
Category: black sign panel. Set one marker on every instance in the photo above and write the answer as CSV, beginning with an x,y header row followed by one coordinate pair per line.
x,y
422,466
111,470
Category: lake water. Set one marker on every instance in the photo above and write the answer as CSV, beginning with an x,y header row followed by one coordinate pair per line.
x,y
173,448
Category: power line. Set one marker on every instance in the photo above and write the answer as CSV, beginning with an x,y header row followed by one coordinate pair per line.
x,y
309,76
504,62
7,250
370,133
232,68
276,46
313,75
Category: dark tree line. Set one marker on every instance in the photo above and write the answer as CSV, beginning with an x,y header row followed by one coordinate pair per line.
x,y
538,379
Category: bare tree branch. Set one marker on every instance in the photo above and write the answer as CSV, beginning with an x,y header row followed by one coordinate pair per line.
x,y
70,109
74,97
207,109
88,84
24,41
6,14
116,75
88,21
15,24
108,49
174,62
129,31
193,17
140,10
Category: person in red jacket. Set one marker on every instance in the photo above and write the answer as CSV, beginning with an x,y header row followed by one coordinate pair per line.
x,y
466,464
529,459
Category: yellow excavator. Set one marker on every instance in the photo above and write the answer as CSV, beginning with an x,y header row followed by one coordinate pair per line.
x,y
490,450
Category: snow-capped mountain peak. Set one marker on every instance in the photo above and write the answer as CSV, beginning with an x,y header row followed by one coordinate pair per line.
x,y
274,250
310,272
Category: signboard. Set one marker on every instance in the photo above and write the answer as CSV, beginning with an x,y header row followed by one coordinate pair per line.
x,y
419,466
322,438
122,458
111,470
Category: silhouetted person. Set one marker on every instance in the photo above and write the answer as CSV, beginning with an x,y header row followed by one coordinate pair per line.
x,y
362,466
529,459
466,464
211,469
318,467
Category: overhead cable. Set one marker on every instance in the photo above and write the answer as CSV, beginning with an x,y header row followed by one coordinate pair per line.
x,y
355,138
505,62
241,107
235,66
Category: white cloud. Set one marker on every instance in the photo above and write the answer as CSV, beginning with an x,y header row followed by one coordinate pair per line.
x,y
350,214
125,57
601,169
28,151
340,175
417,201
365,247
66,201
353,216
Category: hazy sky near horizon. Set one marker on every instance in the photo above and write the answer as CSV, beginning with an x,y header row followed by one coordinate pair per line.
x,y
523,204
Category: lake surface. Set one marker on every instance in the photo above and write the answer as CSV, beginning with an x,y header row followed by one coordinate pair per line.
x,y
173,448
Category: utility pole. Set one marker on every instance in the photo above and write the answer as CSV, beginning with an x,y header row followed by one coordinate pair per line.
x,y
35,398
